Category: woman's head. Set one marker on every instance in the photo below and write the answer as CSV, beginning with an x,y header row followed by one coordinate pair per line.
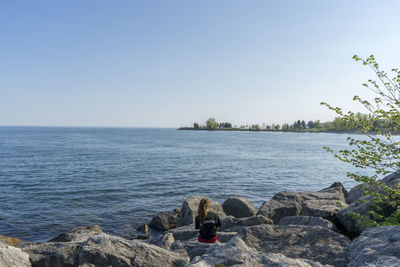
x,y
204,205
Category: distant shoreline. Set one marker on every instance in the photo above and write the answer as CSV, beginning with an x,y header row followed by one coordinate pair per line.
x,y
265,130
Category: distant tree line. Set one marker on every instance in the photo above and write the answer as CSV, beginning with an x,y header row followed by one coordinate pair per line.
x,y
337,125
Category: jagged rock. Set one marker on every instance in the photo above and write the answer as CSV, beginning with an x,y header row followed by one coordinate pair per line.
x,y
361,204
324,203
78,234
107,250
355,193
190,207
239,207
12,256
306,242
237,253
307,220
376,247
281,205
163,221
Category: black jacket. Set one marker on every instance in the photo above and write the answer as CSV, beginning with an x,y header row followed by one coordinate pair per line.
x,y
209,229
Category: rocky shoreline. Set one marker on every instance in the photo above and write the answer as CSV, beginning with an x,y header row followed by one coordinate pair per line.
x,y
291,229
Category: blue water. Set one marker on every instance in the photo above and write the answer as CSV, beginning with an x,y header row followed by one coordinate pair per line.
x,y
54,179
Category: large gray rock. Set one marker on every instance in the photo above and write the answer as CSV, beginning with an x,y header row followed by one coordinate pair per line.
x,y
306,242
102,250
307,220
107,250
190,208
54,254
237,253
239,207
324,203
376,247
79,234
12,256
164,221
361,204
185,233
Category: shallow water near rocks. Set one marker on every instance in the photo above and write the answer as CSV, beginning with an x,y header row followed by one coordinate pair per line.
x,y
54,179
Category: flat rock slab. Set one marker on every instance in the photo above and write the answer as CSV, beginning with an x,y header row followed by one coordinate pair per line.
x,y
295,241
237,253
376,247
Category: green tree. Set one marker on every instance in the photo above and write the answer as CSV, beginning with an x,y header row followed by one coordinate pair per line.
x,y
378,151
196,125
211,123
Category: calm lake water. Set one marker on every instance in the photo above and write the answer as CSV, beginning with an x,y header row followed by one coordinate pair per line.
x,y
54,179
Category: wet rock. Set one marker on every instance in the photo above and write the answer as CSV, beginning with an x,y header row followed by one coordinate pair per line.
x,y
190,208
376,247
163,221
237,253
78,234
239,207
314,243
12,256
324,203
307,220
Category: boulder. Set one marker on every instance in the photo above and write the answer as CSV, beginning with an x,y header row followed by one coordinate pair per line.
x,y
307,220
102,250
55,254
281,205
190,208
108,250
79,234
314,243
376,247
239,207
237,253
12,256
163,221
324,203
360,204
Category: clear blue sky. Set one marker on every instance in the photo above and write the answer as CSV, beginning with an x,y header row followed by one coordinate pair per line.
x,y
170,63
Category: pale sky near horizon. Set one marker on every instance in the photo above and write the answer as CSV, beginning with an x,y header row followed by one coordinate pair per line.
x,y
172,63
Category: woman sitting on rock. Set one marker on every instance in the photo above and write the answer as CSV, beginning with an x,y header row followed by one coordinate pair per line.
x,y
207,222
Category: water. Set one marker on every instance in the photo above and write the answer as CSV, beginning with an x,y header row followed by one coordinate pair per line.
x,y
54,179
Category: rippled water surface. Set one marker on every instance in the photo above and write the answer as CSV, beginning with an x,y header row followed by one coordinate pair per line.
x,y
54,179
